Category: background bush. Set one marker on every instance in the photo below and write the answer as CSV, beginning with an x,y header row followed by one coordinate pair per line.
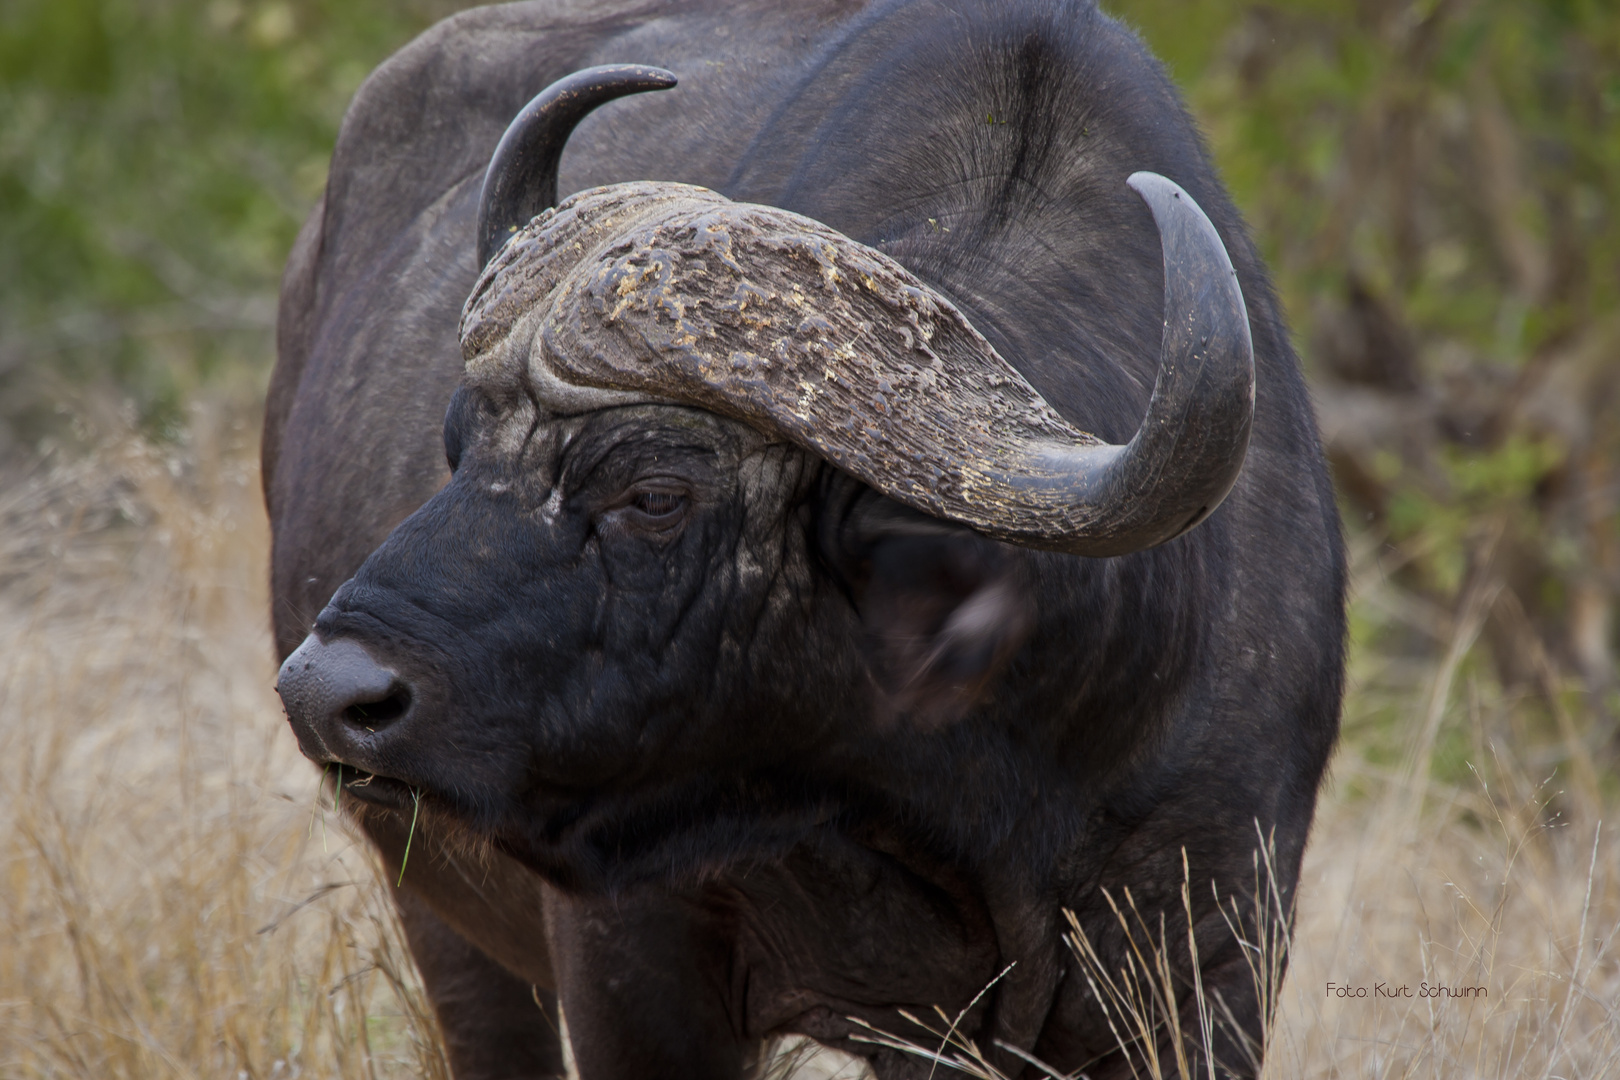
x,y
156,160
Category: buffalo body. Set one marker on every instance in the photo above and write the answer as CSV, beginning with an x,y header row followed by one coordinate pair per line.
x,y
711,739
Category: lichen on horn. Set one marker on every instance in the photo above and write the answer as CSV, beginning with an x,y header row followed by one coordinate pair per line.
x,y
665,292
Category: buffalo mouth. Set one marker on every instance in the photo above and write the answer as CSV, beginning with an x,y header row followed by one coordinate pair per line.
x,y
373,788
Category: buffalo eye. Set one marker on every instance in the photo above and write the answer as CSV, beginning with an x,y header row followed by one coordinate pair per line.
x,y
659,506
652,509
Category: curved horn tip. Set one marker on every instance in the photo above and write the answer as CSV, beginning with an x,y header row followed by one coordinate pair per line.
x,y
1203,401
521,180
1169,202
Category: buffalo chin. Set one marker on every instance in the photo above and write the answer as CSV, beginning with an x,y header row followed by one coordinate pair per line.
x,y
604,843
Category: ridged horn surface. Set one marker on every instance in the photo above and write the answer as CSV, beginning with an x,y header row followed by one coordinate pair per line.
x,y
521,179
664,292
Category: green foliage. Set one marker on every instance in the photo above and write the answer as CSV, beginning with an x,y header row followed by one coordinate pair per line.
x,y
1478,486
156,160
1431,147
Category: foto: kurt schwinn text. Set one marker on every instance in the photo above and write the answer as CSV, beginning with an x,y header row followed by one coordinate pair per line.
x,y
1424,990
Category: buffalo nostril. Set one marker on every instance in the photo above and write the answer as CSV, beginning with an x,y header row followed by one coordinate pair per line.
x,y
334,690
372,715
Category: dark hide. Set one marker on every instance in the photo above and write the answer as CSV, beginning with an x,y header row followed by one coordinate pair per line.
x,y
713,741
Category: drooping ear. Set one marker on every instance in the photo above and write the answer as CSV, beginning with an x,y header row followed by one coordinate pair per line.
x,y
944,609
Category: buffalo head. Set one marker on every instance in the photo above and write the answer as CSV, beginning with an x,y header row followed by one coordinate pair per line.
x,y
726,485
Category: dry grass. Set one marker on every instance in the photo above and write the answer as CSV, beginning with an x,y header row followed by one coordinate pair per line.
x,y
169,904
173,902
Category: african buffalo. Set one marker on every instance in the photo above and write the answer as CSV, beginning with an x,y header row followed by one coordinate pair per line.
x,y
826,588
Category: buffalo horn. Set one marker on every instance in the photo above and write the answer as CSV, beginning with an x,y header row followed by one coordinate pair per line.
x,y
521,180
665,292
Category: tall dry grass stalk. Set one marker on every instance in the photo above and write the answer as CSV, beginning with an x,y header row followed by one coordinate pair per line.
x,y
174,902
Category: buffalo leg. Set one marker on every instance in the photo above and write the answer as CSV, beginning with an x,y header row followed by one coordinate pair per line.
x,y
644,988
475,932
496,1026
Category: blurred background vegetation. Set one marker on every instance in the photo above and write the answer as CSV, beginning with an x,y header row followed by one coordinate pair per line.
x,y
156,160
1434,184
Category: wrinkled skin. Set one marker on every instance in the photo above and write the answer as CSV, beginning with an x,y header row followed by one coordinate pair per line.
x,y
640,551
712,740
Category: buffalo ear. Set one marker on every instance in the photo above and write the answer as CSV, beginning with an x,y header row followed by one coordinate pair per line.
x,y
944,608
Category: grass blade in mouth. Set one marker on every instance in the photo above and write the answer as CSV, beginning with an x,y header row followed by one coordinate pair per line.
x,y
316,807
320,804
416,808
